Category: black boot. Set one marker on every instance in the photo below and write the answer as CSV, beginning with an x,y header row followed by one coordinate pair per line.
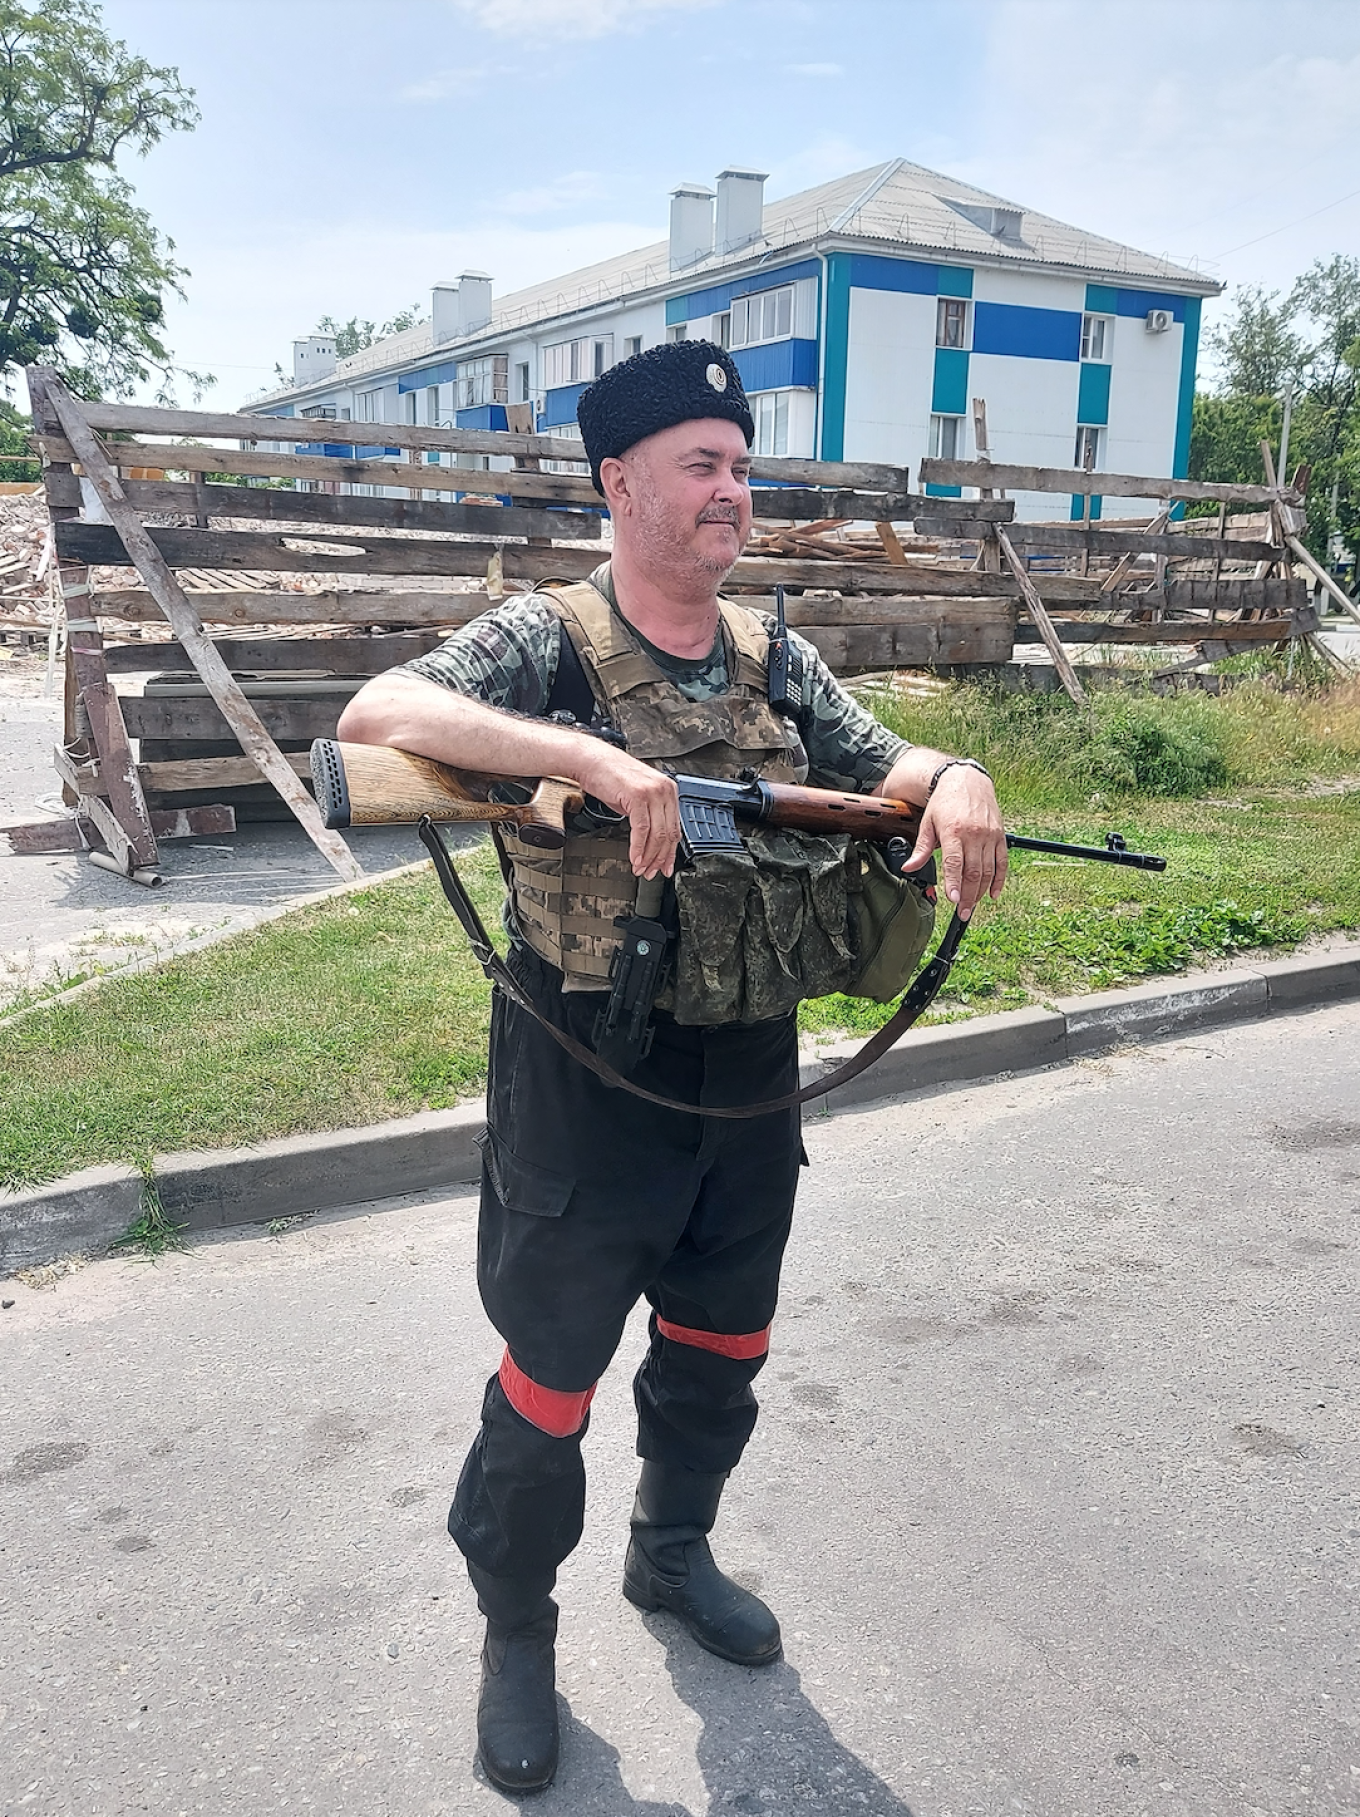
x,y
669,1566
517,1735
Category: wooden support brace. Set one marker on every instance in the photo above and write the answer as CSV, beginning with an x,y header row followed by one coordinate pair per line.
x,y
1125,562
188,627
1052,642
1316,569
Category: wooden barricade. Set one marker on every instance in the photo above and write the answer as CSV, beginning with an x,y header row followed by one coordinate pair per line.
x,y
282,601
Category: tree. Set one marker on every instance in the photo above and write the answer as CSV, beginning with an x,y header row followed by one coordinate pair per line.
x,y
83,272
1308,343
354,335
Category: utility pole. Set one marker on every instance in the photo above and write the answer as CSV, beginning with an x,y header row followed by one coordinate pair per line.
x,y
1282,470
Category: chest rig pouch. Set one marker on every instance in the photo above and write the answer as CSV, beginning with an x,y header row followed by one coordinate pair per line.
x,y
793,915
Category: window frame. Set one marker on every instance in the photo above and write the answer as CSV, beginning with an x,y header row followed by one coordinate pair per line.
x,y
957,435
1093,319
1094,431
947,310
770,305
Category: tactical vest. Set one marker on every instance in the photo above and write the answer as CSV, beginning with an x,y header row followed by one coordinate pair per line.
x,y
758,932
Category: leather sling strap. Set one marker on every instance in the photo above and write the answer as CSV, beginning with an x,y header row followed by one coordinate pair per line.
x,y
917,1000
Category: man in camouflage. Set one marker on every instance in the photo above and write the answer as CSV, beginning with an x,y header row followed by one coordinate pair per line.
x,y
591,1198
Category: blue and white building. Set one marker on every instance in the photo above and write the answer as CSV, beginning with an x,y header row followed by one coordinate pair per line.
x,y
864,316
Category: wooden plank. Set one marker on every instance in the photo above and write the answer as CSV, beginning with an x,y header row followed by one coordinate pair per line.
x,y
1271,594
179,457
227,606
382,513
1170,631
261,655
185,773
199,716
1095,541
322,552
1116,575
1072,479
892,546
244,722
851,649
1066,672
862,475
46,836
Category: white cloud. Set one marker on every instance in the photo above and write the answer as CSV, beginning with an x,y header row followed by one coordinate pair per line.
x,y
567,191
814,69
571,18
1179,129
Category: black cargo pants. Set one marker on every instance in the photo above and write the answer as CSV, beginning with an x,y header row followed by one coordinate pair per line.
x,y
591,1198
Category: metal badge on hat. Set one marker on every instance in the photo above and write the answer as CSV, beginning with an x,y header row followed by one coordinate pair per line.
x,y
716,377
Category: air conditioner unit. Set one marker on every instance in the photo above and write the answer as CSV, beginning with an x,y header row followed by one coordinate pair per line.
x,y
1159,320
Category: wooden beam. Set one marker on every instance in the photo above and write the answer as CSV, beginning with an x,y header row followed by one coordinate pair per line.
x,y
264,655
332,509
141,419
1072,479
1095,541
188,627
1052,642
1333,587
1170,631
1116,575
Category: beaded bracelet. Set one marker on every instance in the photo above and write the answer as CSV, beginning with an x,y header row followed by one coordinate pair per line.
x,y
951,763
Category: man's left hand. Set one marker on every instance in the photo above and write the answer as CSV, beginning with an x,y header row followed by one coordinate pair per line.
x,y
963,821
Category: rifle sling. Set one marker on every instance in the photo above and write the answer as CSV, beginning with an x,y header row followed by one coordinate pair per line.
x,y
915,1002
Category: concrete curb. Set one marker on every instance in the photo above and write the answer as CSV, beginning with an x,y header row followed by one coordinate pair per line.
x,y
217,1188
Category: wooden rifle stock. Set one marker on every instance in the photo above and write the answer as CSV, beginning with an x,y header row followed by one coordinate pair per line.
x,y
374,785
830,811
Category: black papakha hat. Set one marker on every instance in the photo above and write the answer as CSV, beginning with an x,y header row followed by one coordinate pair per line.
x,y
675,383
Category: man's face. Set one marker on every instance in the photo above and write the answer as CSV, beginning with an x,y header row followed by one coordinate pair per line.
x,y
689,497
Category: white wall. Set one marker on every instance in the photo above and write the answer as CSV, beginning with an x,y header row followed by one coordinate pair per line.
x,y
1035,289
890,376
1031,419
1145,378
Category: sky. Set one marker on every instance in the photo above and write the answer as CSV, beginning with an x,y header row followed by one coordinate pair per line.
x,y
354,152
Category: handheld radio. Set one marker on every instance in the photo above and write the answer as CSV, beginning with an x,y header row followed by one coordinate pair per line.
x,y
785,666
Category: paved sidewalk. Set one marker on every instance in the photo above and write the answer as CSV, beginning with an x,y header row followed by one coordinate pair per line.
x,y
1056,1488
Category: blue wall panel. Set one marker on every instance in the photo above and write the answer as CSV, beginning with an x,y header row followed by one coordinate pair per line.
x,y
950,395
1093,393
338,451
559,406
482,416
1026,334
428,375
777,364
837,339
718,296
1186,404
1078,506
1105,299
870,271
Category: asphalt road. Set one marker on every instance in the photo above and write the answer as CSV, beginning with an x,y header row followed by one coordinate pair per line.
x,y
1055,1488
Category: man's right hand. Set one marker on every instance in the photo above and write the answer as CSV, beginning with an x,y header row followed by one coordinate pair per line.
x,y
649,800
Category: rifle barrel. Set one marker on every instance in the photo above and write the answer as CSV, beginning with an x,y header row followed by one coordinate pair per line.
x,y
1103,854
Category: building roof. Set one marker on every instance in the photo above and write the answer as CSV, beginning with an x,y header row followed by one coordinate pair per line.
x,y
896,205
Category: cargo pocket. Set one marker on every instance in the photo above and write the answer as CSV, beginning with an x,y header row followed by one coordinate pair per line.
x,y
522,1185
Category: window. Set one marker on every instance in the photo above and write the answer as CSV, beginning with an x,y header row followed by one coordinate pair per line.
x,y
771,412
722,328
322,412
1087,457
1096,335
411,400
346,414
563,432
951,322
432,406
576,362
368,407
946,437
767,317
480,382
679,331
522,382
632,345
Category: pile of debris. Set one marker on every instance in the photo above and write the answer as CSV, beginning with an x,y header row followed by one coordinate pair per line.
x,y
25,559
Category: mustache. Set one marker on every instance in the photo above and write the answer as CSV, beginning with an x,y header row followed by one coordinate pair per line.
x,y
719,514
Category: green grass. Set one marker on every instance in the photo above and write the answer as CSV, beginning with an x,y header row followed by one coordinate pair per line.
x,y
370,1006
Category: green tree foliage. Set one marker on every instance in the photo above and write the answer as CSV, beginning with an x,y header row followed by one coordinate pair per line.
x,y
16,462
356,334
83,272
1310,340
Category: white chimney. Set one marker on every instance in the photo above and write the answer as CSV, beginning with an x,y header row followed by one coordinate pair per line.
x,y
741,209
313,358
461,308
691,225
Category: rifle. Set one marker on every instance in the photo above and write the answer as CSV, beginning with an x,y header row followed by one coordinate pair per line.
x,y
374,785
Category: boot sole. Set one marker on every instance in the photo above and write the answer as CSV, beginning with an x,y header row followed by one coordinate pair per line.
x,y
652,1605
